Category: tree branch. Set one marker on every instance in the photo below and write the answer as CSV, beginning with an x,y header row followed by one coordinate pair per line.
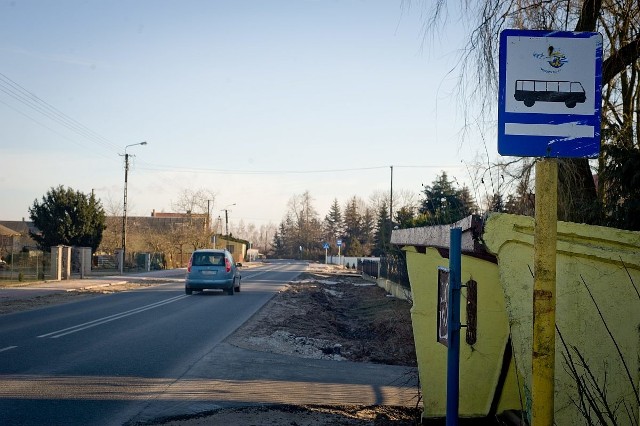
x,y
589,15
618,61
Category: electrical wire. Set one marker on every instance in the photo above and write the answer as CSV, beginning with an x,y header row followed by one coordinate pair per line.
x,y
32,101
17,92
51,129
155,167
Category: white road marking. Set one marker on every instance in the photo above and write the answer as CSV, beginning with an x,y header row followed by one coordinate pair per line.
x,y
100,321
8,348
253,275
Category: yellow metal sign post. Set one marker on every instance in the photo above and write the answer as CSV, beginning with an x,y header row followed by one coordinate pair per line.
x,y
544,292
549,102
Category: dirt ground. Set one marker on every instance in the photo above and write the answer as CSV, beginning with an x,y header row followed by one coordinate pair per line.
x,y
304,416
353,319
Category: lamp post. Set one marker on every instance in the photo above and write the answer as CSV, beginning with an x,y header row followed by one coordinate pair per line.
x,y
124,210
210,235
226,219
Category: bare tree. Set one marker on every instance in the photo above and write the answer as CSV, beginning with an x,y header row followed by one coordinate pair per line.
x,y
402,199
618,20
306,220
112,236
198,201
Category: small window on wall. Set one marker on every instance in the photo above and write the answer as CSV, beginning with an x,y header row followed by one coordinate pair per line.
x,y
230,248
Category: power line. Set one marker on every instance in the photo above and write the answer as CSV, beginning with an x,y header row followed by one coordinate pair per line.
x,y
156,167
32,101
49,128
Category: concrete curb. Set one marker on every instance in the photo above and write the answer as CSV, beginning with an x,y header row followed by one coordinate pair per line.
x,y
89,287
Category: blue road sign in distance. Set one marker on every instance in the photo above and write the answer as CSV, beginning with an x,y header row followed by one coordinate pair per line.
x,y
549,94
339,243
326,246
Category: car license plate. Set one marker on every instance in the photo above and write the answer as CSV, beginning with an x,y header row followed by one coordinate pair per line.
x,y
209,272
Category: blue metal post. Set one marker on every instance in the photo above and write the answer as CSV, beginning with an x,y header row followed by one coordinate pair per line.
x,y
453,352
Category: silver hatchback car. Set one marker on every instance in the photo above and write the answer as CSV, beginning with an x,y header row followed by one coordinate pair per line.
x,y
212,269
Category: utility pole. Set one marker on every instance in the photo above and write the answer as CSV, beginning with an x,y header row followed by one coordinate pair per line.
x,y
391,205
124,208
391,198
209,215
226,218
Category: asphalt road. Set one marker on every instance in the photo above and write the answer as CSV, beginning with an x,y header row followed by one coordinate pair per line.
x,y
98,361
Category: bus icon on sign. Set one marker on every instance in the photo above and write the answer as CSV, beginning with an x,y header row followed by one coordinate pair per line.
x,y
532,91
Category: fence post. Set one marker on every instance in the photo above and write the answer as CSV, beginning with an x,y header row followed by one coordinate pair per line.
x,y
56,262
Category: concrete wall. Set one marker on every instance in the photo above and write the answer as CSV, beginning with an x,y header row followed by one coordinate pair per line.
x,y
487,373
607,262
396,290
343,260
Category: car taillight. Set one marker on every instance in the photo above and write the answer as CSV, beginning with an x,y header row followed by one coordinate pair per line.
x,y
189,266
227,263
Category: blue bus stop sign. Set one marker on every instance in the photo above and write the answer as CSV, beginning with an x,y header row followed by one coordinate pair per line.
x,y
549,94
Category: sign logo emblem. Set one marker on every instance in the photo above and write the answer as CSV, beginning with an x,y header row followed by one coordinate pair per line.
x,y
556,58
552,57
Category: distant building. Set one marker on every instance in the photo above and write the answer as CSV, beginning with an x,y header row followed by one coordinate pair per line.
x,y
236,246
171,219
14,236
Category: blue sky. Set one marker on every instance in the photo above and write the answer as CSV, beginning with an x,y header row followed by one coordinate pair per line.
x,y
253,100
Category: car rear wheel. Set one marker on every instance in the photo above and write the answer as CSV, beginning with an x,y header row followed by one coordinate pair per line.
x,y
231,289
238,286
188,290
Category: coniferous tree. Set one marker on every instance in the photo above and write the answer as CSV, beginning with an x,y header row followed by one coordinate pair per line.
x,y
352,228
383,232
405,217
496,203
367,235
281,248
444,203
67,217
333,224
468,204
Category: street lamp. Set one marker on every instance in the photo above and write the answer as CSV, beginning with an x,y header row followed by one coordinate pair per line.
x,y
124,210
226,218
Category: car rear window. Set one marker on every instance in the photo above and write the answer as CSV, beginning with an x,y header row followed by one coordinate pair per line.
x,y
208,259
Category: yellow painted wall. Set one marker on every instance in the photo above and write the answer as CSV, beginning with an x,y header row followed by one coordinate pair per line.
x,y
593,255
237,252
480,364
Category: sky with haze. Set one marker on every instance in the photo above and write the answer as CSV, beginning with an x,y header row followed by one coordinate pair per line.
x,y
254,100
